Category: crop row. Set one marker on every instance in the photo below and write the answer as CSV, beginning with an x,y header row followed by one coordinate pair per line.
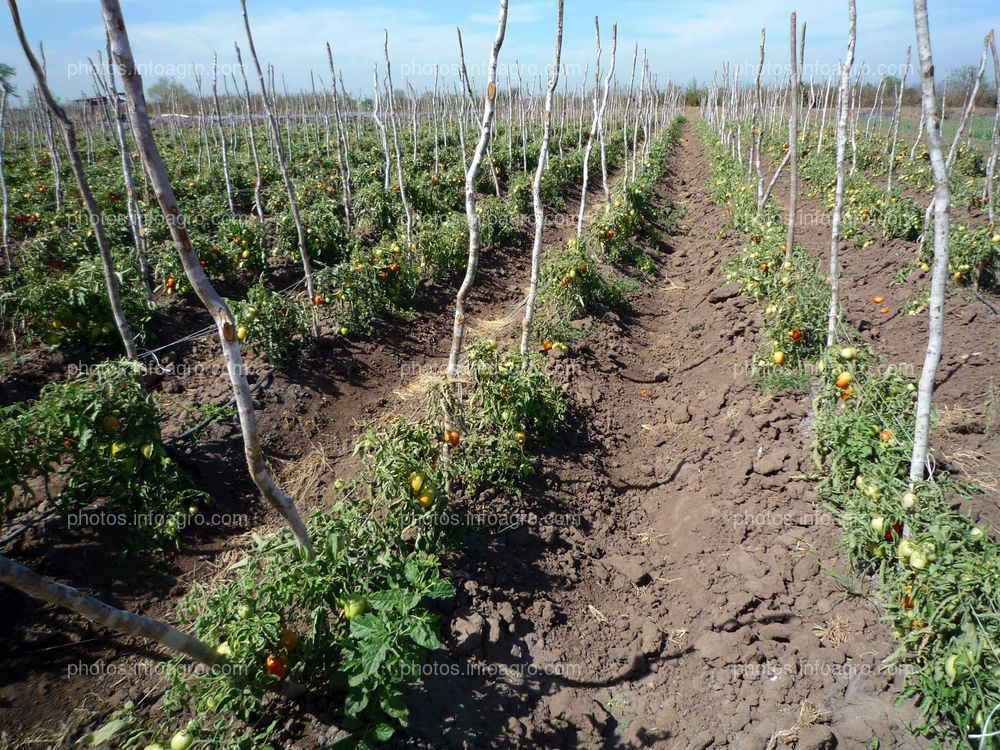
x,y
937,572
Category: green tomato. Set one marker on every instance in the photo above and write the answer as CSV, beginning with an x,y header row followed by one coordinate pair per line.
x,y
951,666
244,611
904,550
356,605
918,560
849,353
181,741
877,524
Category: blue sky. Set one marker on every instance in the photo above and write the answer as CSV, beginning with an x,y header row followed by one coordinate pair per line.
x,y
685,39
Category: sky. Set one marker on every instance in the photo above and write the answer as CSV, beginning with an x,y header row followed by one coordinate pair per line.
x,y
684,40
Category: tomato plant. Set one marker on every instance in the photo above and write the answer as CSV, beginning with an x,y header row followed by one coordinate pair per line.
x,y
274,325
98,434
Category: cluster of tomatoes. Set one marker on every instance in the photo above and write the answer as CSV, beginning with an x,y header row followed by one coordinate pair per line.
x,y
424,493
845,379
452,437
277,662
569,277
878,299
548,345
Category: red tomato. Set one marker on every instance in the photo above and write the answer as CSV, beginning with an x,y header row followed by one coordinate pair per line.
x,y
896,527
277,664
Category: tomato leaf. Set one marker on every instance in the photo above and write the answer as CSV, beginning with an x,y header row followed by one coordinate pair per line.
x,y
392,600
424,635
440,589
367,626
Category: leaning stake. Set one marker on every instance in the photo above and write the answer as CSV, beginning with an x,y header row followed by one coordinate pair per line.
x,y
217,308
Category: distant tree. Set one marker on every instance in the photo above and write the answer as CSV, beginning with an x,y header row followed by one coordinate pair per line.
x,y
6,73
962,79
692,94
166,89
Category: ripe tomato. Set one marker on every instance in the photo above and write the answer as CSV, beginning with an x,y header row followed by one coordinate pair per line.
x,y
171,282
844,380
885,436
318,299
611,234
884,311
547,344
67,443
878,299
289,639
796,334
897,528
202,263
763,267
394,267
277,664
846,394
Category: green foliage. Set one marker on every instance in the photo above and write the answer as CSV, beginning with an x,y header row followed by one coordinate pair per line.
x,y
272,324
356,616
98,436
65,308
